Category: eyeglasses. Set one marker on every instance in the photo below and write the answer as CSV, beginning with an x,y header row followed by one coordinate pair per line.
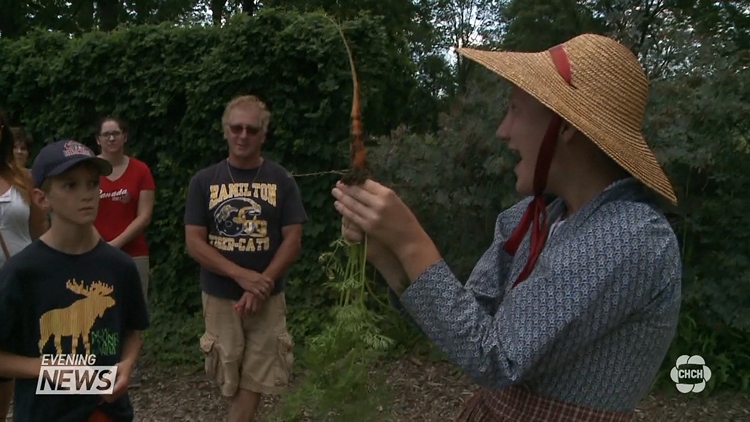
x,y
114,133
237,129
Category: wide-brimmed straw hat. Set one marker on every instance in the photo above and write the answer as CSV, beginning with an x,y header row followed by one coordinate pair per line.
x,y
605,99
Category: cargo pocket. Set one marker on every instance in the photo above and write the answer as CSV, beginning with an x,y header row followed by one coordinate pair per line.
x,y
284,359
210,351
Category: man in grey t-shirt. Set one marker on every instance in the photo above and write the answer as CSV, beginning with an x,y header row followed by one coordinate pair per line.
x,y
243,225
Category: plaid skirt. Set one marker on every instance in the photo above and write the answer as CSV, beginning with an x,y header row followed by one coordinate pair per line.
x,y
517,404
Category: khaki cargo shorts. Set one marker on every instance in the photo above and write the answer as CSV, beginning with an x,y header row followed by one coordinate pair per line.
x,y
254,353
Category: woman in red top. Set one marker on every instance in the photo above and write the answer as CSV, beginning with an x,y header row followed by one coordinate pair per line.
x,y
126,202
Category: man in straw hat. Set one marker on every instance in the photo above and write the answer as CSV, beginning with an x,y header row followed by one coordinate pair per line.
x,y
570,312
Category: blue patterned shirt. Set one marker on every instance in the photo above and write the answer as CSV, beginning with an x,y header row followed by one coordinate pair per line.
x,y
591,324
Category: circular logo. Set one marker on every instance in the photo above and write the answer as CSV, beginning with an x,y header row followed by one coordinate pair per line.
x,y
235,217
690,374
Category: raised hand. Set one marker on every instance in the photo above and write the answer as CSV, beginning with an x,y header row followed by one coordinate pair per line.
x,y
377,211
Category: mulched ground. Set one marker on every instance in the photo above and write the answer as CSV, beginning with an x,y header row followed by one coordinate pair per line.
x,y
425,392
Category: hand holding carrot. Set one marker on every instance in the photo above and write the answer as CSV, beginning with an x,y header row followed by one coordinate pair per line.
x,y
377,211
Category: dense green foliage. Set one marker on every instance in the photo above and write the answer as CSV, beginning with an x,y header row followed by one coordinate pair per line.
x,y
171,84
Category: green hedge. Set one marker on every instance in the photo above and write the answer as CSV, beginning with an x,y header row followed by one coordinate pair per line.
x,y
171,85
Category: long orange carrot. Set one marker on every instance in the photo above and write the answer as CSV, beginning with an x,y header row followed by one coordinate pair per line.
x,y
357,146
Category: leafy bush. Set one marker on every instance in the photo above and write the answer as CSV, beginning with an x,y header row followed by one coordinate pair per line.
x,y
172,83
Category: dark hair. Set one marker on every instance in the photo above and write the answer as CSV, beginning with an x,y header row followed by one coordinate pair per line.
x,y
120,122
21,136
19,177
7,140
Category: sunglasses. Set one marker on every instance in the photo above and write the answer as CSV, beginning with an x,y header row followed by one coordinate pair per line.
x,y
237,129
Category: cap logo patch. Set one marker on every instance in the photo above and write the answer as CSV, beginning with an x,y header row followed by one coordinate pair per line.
x,y
76,148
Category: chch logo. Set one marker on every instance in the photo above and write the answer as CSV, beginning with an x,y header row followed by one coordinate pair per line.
x,y
690,373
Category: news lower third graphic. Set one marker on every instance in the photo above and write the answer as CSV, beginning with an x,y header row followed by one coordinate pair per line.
x,y
690,374
75,374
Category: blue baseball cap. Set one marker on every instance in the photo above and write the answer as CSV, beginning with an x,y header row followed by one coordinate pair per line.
x,y
59,156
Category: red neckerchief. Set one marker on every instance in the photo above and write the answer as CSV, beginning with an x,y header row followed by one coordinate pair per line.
x,y
536,213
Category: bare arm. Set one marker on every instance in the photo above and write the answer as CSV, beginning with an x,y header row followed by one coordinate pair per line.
x,y
15,366
291,245
206,255
388,265
417,255
141,221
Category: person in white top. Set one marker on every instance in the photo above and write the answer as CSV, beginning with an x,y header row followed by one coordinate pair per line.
x,y
21,221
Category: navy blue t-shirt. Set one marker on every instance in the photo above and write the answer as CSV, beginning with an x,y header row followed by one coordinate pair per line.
x,y
244,211
49,301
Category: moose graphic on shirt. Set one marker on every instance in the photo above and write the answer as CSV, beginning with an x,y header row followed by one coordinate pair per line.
x,y
76,320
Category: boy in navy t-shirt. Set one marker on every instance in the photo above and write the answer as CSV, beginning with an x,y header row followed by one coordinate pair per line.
x,y
70,293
